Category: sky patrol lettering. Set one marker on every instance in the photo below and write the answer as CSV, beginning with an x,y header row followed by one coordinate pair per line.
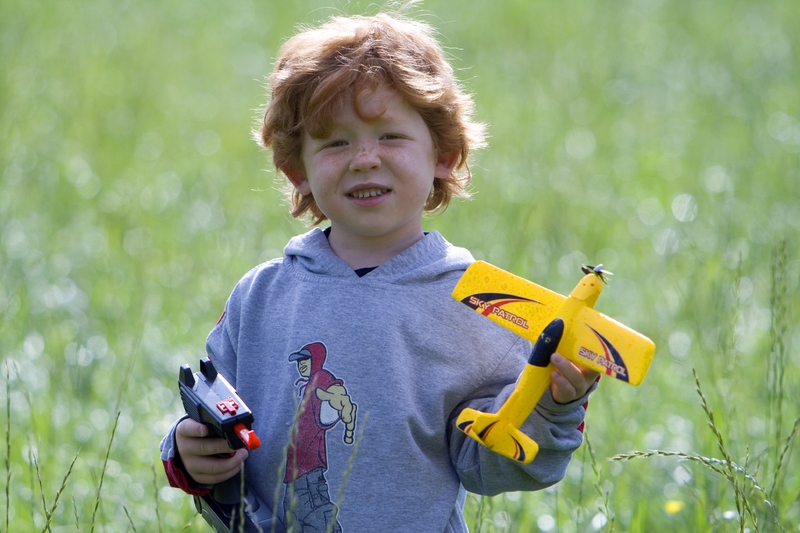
x,y
477,303
588,354
602,361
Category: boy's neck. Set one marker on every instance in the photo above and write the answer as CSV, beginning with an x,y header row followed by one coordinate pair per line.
x,y
364,252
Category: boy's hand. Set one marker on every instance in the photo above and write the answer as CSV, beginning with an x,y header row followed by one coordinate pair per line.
x,y
570,381
197,453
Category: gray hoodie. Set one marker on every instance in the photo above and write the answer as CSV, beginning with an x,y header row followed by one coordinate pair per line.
x,y
408,357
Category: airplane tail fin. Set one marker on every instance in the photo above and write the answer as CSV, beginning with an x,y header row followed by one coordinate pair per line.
x,y
498,435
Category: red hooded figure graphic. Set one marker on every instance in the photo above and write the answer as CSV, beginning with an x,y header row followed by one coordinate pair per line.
x,y
308,449
323,403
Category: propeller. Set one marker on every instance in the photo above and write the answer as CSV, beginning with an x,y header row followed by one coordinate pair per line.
x,y
598,270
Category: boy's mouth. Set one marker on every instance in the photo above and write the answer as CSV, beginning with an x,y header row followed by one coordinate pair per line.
x,y
368,193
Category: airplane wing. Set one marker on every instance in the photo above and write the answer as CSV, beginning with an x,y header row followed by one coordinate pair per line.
x,y
591,339
513,302
601,343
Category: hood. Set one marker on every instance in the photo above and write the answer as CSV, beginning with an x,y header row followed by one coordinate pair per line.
x,y
430,258
316,351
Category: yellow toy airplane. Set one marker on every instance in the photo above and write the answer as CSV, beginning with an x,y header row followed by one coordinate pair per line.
x,y
569,325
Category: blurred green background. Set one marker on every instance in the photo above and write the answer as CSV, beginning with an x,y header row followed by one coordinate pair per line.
x,y
661,138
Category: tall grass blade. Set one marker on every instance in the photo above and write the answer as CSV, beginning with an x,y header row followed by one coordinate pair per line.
x,y
77,520
103,471
779,468
777,358
604,494
134,354
29,399
241,500
8,443
350,462
579,506
232,519
241,495
481,510
717,465
155,494
33,438
130,520
32,472
58,494
282,470
41,486
724,467
739,500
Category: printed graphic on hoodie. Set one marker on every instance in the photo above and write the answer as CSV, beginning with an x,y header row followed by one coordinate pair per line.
x,y
323,403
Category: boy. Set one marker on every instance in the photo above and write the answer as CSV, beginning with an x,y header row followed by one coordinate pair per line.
x,y
369,125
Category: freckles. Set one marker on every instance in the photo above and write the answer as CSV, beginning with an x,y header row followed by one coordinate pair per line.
x,y
367,150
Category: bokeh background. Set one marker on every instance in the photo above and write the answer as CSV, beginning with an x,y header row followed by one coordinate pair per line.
x,y
659,137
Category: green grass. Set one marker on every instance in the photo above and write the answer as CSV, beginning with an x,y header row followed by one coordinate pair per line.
x,y
661,138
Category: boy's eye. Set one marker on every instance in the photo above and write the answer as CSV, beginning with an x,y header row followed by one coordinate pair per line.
x,y
391,136
335,144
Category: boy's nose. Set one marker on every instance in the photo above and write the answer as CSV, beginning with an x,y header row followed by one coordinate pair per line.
x,y
366,158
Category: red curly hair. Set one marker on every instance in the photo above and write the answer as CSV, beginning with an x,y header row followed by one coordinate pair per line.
x,y
347,57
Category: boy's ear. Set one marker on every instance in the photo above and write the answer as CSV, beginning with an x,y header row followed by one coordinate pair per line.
x,y
297,178
445,163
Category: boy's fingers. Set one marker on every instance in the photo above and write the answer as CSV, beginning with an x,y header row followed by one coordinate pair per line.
x,y
207,460
213,447
209,470
192,440
571,381
562,390
580,377
567,368
191,428
203,446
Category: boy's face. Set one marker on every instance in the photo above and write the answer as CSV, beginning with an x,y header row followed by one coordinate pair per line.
x,y
372,177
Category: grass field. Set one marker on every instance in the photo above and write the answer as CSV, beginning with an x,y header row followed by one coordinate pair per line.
x,y
661,138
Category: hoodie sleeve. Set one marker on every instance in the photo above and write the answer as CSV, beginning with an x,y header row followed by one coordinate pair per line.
x,y
556,428
220,349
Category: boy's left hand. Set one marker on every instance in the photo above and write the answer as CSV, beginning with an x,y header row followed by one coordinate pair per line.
x,y
570,381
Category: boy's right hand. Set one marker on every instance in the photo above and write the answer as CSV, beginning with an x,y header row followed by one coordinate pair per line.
x,y
197,452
